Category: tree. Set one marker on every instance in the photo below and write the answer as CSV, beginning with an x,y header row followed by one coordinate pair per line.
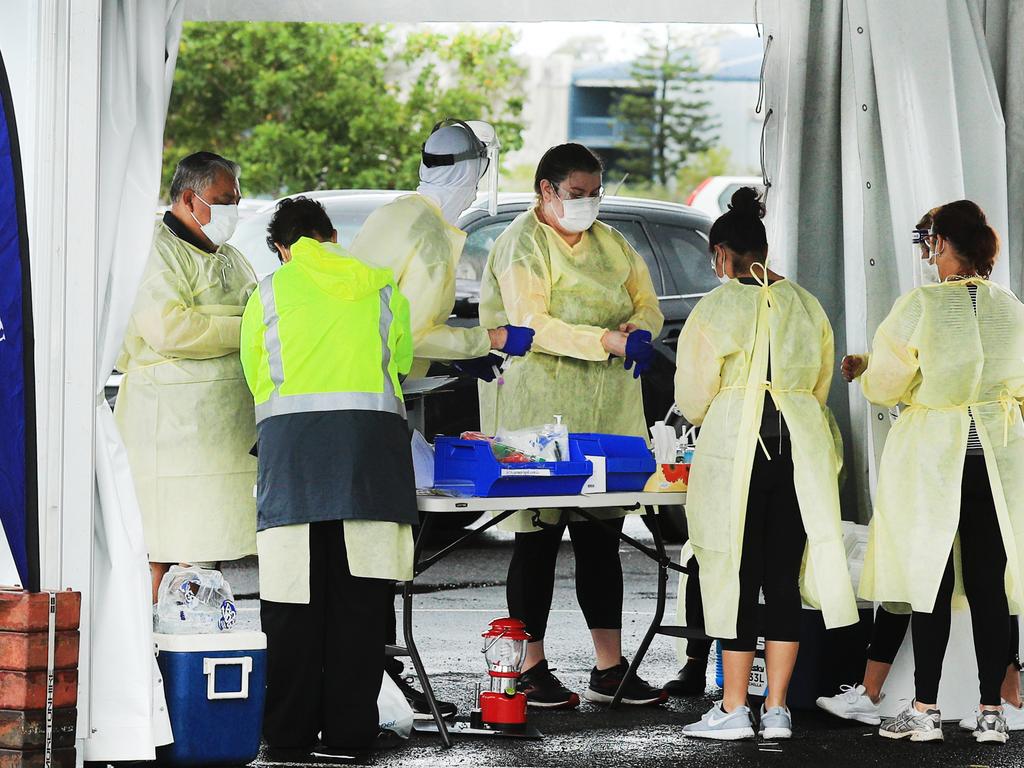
x,y
333,106
664,113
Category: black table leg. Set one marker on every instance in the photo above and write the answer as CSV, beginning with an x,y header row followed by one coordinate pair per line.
x,y
659,611
410,643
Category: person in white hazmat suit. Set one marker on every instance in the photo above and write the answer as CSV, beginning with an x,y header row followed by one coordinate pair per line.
x,y
754,367
183,408
415,236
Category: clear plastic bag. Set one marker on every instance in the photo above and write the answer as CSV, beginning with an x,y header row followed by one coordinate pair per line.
x,y
549,442
393,711
194,600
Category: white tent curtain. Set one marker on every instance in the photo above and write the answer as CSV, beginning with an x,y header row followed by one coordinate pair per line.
x,y
878,112
140,46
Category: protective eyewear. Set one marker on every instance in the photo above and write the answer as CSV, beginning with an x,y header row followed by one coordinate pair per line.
x,y
599,194
478,151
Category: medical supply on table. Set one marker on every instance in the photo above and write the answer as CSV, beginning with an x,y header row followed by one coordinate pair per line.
x,y
470,468
548,442
664,440
193,600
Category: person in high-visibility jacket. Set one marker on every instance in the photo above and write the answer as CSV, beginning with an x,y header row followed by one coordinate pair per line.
x,y
324,341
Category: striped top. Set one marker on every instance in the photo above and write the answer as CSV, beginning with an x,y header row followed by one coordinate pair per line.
x,y
973,440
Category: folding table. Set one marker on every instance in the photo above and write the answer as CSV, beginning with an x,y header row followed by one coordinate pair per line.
x,y
501,508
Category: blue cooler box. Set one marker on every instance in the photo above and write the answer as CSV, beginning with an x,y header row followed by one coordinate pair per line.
x,y
629,463
215,686
469,467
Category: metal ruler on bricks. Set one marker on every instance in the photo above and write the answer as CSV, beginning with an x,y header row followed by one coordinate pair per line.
x,y
51,652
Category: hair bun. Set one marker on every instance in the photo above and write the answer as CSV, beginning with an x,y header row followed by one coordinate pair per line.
x,y
746,201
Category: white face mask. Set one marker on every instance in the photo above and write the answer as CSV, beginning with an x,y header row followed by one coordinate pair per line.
x,y
223,220
929,272
579,215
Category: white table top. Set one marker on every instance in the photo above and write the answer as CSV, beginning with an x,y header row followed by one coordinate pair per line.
x,y
505,503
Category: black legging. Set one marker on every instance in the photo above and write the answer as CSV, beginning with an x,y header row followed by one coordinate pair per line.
x,y
773,549
531,575
984,565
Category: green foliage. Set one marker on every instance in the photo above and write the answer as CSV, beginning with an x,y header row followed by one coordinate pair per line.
x,y
665,114
333,106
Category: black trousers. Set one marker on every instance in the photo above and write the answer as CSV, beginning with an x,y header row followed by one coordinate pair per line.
x,y
695,649
773,548
983,557
325,660
531,575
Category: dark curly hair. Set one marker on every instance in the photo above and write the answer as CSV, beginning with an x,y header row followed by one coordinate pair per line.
x,y
964,224
297,217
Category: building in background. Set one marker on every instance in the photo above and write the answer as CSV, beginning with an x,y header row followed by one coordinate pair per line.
x,y
573,103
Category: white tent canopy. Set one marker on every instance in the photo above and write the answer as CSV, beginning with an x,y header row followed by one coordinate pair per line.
x,y
875,112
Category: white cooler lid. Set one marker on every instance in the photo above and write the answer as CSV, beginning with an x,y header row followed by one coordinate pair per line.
x,y
221,641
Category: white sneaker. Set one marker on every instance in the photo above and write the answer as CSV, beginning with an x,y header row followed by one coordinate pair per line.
x,y
1014,718
721,725
991,728
853,703
776,723
914,725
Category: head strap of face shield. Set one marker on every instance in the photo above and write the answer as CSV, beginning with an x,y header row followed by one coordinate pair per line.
x,y
921,236
478,151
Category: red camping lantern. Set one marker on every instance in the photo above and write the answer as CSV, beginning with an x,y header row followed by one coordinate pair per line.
x,y
502,707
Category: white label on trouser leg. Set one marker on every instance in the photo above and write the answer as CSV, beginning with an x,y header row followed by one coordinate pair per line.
x,y
210,670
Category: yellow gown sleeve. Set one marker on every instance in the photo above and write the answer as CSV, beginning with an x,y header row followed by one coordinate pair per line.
x,y
698,372
893,363
646,310
403,332
524,280
403,237
828,351
167,318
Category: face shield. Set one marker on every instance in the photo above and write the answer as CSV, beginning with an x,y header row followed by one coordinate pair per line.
x,y
484,148
925,271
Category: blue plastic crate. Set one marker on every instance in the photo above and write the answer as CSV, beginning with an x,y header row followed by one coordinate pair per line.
x,y
215,687
629,463
469,467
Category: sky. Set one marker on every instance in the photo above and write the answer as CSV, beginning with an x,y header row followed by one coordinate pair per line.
x,y
622,41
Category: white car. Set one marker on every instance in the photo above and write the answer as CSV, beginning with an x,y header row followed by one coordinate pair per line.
x,y
712,196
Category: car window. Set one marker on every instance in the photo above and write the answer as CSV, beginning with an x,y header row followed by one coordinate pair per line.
x,y
478,247
634,233
686,253
726,197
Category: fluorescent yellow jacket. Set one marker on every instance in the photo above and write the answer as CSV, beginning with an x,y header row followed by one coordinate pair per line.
x,y
326,332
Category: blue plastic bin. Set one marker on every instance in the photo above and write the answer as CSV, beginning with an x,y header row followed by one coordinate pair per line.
x,y
215,687
469,467
629,463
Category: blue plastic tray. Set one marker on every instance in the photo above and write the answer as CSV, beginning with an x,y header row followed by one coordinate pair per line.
x,y
628,460
469,467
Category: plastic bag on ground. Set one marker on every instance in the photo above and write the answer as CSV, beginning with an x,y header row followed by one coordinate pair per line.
x,y
194,600
393,711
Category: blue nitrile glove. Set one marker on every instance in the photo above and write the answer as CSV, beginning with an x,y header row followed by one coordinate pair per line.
x,y
482,368
639,352
519,340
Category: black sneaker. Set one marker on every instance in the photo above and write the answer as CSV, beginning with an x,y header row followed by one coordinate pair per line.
x,y
418,700
544,690
691,680
604,684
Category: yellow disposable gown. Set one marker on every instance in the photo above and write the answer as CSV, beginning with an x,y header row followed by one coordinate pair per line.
x,y
411,238
570,296
721,380
934,355
184,410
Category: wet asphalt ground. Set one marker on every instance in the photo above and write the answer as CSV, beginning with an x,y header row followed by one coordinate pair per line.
x,y
461,594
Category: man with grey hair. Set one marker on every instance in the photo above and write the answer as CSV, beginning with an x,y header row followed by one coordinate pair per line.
x,y
183,409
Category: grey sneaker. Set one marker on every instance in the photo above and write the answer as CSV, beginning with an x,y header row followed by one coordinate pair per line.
x,y
1014,717
991,727
776,723
917,726
721,725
